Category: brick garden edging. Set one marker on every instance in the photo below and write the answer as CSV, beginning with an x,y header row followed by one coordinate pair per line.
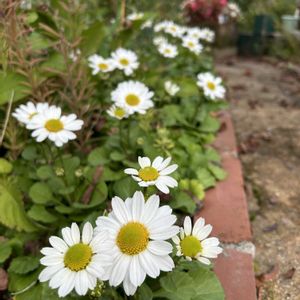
x,y
226,209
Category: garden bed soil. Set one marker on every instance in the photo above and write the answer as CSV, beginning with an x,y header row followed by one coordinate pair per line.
x,y
264,96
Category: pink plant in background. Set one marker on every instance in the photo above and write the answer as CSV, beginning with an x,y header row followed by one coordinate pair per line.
x,y
207,11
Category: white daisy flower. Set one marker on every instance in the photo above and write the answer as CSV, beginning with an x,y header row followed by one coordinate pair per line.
x,y
211,85
75,261
25,112
75,54
100,64
171,88
234,10
147,24
174,29
159,40
155,173
138,231
193,243
125,60
192,44
207,35
135,16
52,125
168,50
117,112
134,96
161,26
194,33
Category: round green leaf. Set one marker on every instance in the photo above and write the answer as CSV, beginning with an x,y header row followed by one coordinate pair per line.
x,y
40,193
5,166
24,264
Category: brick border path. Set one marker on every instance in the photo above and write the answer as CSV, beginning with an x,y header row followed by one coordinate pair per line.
x,y
226,209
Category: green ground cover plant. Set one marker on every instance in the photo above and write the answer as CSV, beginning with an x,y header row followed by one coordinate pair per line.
x,y
103,118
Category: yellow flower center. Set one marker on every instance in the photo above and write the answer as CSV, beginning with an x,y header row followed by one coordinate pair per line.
x,y
191,44
124,61
132,100
148,174
32,115
103,66
167,51
54,125
190,246
78,257
119,112
211,86
133,238
173,28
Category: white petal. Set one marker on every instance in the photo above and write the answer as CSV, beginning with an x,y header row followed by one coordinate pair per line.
x,y
50,251
157,162
131,171
58,279
198,226
138,203
204,232
87,233
150,209
148,264
136,272
168,170
166,234
144,162
165,263
187,225
204,260
164,163
52,260
48,272
119,270
68,285
162,187
58,244
160,247
75,233
67,236
129,288
120,210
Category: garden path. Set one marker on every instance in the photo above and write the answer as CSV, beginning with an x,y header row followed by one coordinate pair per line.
x,y
264,96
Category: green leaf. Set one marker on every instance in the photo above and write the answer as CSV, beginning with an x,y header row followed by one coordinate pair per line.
x,y
98,156
24,264
92,38
144,292
117,156
197,284
19,282
12,211
40,193
38,41
5,252
10,82
183,202
35,292
206,178
219,173
70,165
45,172
210,124
125,187
39,213
5,166
29,152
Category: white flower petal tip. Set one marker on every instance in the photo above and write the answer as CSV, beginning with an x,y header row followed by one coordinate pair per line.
x,y
155,173
76,261
138,231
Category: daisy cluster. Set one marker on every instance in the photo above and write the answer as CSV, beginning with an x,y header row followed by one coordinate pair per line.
x,y
134,241
121,59
47,122
191,38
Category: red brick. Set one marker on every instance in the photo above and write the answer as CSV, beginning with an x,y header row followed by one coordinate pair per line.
x,y
235,271
226,141
225,206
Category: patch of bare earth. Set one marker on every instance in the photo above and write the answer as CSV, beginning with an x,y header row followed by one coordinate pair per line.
x,y
264,97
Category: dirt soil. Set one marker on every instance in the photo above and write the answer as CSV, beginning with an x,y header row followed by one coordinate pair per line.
x,y
264,96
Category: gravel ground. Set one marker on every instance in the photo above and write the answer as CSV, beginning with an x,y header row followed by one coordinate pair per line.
x,y
264,97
